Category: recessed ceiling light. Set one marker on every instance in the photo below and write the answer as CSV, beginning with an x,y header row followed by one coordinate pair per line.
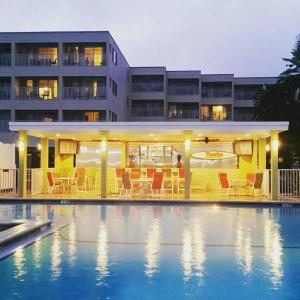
x,y
57,134
151,134
247,134
199,134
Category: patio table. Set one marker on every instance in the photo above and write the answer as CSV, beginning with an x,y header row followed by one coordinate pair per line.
x,y
239,183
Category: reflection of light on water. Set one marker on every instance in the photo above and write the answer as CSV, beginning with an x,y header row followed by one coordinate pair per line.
x,y
273,250
19,260
152,248
37,253
193,252
56,256
72,244
243,248
102,250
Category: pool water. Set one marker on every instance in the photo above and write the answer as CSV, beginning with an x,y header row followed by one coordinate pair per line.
x,y
156,252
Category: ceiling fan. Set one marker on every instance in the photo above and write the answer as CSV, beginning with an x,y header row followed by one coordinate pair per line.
x,y
207,140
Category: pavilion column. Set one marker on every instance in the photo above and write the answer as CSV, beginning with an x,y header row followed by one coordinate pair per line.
x,y
44,162
262,154
123,154
274,165
187,164
104,150
22,176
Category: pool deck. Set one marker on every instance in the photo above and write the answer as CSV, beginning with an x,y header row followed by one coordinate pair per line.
x,y
204,200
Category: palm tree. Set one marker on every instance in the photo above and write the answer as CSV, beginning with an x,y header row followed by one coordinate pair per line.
x,y
281,102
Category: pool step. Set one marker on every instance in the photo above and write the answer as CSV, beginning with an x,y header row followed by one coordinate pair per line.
x,y
20,231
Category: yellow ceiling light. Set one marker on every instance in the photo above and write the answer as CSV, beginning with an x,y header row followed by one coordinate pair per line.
x,y
39,146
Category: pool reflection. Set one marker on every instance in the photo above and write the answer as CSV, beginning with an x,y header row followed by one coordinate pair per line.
x,y
102,252
56,254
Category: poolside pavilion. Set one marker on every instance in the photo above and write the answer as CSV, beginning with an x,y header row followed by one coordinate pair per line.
x,y
237,149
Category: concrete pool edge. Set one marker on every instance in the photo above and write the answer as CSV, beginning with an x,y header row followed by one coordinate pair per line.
x,y
279,203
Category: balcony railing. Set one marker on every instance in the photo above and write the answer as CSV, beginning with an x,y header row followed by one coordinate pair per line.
x,y
217,116
5,59
149,87
77,59
245,95
184,114
216,93
36,60
4,93
85,93
183,90
137,113
35,93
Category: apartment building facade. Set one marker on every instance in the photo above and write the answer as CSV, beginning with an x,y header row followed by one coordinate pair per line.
x,y
83,76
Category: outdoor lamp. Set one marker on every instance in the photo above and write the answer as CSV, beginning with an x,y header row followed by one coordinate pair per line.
x,y
187,144
267,147
275,145
21,145
39,146
103,145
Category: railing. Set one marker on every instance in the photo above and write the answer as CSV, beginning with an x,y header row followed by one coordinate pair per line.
x,y
77,59
4,93
5,59
243,116
36,60
216,93
289,183
184,114
183,90
136,113
84,93
244,95
147,87
8,181
34,93
217,116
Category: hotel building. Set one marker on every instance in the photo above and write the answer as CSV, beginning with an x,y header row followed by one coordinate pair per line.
x,y
83,78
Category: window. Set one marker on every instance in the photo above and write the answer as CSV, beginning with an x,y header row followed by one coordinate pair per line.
x,y
147,83
216,112
93,56
147,108
36,115
114,87
243,113
84,116
183,110
216,89
246,92
183,86
114,56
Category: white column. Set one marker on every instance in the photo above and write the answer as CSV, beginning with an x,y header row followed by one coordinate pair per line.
x,y
274,165
187,164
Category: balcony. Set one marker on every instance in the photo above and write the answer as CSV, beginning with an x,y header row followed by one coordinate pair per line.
x,y
150,87
216,113
216,90
183,90
246,92
5,93
79,59
84,93
5,59
184,114
44,60
35,93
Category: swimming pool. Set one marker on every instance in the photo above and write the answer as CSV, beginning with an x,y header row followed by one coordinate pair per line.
x,y
156,252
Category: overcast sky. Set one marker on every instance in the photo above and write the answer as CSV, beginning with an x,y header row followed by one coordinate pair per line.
x,y
244,37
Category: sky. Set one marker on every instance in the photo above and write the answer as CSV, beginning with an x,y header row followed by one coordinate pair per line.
x,y
244,37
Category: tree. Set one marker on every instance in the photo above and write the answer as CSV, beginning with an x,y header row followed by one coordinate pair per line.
x,y
281,102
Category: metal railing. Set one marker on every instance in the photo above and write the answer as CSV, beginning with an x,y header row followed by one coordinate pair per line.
x,y
184,114
34,93
45,60
148,87
217,116
289,183
216,92
183,90
84,93
79,59
5,92
8,181
5,59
